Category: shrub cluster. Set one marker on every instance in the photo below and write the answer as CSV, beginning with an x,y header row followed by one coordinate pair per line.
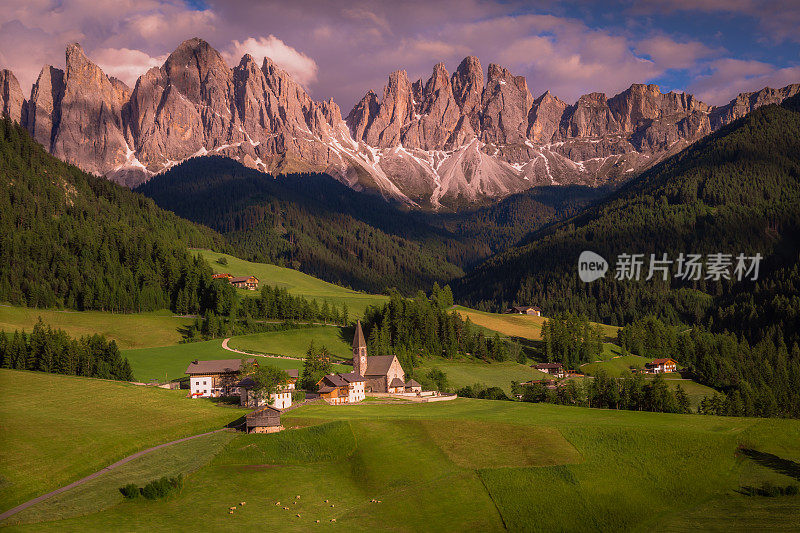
x,y
155,490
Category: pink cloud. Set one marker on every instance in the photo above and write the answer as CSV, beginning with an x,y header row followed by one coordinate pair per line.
x,y
301,67
126,64
730,77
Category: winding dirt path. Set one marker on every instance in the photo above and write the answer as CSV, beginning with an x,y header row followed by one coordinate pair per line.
x,y
23,506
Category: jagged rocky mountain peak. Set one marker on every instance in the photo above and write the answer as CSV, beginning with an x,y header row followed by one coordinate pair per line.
x,y
448,140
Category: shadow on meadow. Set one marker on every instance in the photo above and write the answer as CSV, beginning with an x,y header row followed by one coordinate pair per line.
x,y
773,462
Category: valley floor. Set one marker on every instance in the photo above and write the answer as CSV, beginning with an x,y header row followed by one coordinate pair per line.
x,y
453,466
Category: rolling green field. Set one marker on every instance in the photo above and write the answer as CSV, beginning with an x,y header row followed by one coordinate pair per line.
x,y
139,330
295,282
616,366
295,342
461,374
56,429
463,465
170,362
103,492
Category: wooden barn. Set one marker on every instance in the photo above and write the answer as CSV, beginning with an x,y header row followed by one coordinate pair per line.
x,y
264,420
245,282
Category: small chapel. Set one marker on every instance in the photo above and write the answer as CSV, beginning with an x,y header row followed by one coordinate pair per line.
x,y
382,373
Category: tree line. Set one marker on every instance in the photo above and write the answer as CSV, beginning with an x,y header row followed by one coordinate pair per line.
x,y
54,351
632,392
229,314
424,327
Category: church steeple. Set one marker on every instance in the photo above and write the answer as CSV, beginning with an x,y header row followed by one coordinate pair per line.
x,y
359,351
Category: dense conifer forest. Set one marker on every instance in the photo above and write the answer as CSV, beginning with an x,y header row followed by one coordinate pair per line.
x,y
49,350
70,239
315,224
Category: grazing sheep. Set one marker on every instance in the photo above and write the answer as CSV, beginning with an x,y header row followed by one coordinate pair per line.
x,y
332,505
277,503
232,508
326,501
333,520
230,512
316,521
297,497
285,508
242,503
298,516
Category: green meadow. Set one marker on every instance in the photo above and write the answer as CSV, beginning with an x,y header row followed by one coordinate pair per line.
x,y
295,342
137,330
169,362
56,429
475,465
297,283
463,373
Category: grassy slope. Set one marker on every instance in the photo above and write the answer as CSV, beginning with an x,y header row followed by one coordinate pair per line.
x,y
103,492
460,374
141,330
170,362
295,282
294,342
522,326
597,472
56,429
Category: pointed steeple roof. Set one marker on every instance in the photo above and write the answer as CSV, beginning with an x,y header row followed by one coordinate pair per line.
x,y
358,338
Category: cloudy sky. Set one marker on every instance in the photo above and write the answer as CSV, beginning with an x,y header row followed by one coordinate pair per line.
x,y
712,48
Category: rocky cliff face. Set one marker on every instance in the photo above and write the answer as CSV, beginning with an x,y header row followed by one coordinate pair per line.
x,y
11,99
450,141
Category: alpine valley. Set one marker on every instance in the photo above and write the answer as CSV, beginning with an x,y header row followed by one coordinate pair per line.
x,y
454,141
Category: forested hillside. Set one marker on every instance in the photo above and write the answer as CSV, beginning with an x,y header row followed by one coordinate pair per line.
x,y
70,239
315,224
735,192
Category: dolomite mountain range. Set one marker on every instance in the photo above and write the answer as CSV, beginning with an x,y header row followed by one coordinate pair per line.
x,y
452,141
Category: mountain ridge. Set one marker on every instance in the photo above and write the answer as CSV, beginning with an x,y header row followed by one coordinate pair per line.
x,y
455,140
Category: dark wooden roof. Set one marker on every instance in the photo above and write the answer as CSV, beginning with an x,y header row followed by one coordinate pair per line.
x,y
378,365
352,377
548,365
218,366
341,380
264,416
242,279
412,383
358,337
397,382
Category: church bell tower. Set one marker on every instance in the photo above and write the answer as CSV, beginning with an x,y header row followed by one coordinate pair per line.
x,y
359,351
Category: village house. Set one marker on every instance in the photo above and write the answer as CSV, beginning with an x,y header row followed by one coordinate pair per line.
x,y
660,366
244,282
524,310
337,389
264,420
213,379
280,399
554,369
382,373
